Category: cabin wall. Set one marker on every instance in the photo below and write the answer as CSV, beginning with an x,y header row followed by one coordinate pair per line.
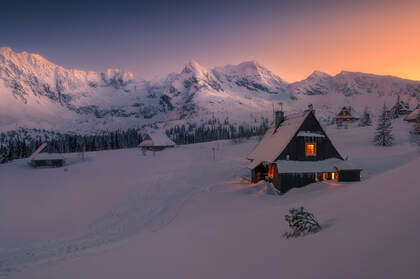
x,y
259,173
296,148
349,175
47,163
288,181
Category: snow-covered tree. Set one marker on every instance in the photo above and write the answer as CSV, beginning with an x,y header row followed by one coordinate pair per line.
x,y
301,222
365,119
383,136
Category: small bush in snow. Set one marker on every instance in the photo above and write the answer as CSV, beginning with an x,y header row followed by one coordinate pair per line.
x,y
301,223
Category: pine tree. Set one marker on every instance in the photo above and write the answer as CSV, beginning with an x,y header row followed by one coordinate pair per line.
x,y
383,136
365,119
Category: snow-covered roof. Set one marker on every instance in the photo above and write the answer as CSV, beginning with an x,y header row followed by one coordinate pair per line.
x,y
37,155
350,110
310,134
157,139
275,140
403,105
413,115
37,151
329,165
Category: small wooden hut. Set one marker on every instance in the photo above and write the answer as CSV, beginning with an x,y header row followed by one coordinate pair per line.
x,y
346,114
412,117
38,159
400,108
295,152
156,141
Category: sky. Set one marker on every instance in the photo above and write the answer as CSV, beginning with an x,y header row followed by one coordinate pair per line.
x,y
153,38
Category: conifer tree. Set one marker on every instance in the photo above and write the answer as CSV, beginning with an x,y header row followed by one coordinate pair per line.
x,y
383,136
365,119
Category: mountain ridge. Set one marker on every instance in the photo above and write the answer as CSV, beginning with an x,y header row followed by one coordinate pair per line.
x,y
34,91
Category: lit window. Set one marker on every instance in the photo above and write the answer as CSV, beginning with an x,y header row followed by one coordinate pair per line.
x,y
310,149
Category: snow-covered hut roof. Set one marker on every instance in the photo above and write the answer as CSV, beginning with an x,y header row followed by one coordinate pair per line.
x,y
329,165
350,110
37,155
413,115
157,139
276,140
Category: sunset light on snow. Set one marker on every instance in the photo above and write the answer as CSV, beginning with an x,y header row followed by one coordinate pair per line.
x,y
209,139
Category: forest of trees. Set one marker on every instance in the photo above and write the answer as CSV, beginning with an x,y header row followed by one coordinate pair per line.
x,y
23,142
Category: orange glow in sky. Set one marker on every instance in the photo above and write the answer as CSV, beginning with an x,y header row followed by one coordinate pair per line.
x,y
381,39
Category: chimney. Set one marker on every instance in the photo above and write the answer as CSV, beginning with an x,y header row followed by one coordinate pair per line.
x,y
278,118
310,108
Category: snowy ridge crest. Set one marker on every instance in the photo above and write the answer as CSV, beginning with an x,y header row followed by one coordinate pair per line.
x,y
36,93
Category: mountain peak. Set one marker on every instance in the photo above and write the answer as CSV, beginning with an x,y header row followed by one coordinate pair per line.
x,y
251,67
195,69
193,66
251,63
5,49
318,74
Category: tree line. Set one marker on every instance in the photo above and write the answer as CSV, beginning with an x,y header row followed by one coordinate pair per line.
x,y
21,143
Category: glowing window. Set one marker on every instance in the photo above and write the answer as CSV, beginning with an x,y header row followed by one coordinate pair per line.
x,y
310,149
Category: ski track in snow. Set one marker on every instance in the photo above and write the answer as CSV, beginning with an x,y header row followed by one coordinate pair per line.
x,y
148,211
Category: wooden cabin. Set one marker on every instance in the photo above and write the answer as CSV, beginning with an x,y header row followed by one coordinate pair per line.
x,y
412,117
156,141
38,159
346,114
400,108
295,152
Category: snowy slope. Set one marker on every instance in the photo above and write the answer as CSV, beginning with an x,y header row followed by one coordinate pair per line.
x,y
159,217
36,93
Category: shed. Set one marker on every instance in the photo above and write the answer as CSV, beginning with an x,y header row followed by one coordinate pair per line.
x,y
156,141
412,117
38,159
400,108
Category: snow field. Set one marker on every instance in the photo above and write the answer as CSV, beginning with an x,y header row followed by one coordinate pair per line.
x,y
181,214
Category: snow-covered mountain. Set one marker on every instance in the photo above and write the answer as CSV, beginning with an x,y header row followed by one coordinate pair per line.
x,y
351,83
359,90
36,93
